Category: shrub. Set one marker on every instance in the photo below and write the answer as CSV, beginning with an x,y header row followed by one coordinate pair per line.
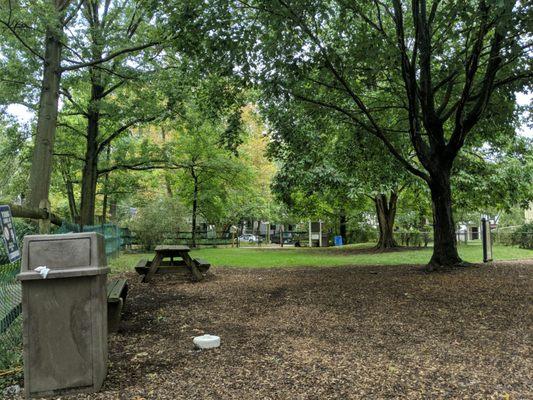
x,y
523,236
362,233
157,221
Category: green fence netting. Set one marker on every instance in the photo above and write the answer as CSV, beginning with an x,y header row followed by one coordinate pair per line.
x,y
112,235
10,306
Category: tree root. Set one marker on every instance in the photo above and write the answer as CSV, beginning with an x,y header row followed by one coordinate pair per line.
x,y
433,266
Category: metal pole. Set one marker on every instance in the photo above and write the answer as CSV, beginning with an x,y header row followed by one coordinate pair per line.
x,y
486,240
310,234
320,233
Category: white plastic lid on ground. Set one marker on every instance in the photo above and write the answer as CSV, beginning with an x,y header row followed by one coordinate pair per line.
x,y
206,341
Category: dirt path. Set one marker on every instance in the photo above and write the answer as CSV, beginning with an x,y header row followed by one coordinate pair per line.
x,y
328,333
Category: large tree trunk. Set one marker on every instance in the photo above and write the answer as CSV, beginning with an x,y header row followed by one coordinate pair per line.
x,y
168,183
69,188
88,185
342,226
386,213
41,165
445,242
90,169
106,187
104,208
194,209
113,210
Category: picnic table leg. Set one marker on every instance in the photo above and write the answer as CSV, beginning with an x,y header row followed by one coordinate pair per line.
x,y
191,266
153,268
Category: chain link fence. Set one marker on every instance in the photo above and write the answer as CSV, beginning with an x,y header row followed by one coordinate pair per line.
x,y
521,236
10,306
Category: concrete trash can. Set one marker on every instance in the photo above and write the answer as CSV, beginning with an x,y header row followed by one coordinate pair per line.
x,y
64,311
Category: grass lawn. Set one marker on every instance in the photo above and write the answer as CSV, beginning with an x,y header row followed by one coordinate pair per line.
x,y
324,257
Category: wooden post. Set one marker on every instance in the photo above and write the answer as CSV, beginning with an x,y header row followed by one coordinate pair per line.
x,y
44,224
310,234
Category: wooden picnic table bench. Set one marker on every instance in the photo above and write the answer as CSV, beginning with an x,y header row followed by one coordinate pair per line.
x,y
117,290
178,259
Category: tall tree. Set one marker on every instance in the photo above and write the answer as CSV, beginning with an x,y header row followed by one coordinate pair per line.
x,y
335,162
206,171
60,53
437,64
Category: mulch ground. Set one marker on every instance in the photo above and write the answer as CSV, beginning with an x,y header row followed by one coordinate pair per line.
x,y
327,333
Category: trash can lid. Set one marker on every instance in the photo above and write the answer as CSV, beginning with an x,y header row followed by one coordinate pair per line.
x,y
67,251
61,273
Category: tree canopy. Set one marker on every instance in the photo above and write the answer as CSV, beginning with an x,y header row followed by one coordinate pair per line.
x,y
249,110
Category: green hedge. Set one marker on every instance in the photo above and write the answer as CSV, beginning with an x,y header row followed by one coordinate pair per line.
x,y
523,236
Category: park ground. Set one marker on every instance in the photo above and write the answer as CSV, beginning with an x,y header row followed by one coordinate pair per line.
x,y
304,330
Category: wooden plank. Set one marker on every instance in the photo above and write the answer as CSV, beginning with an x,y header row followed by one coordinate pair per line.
x,y
196,274
153,267
173,270
203,265
110,286
116,289
142,267
172,248
180,263
202,262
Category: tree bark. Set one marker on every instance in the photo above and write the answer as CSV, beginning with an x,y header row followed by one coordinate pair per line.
x,y
194,208
90,168
41,165
33,213
113,210
69,188
106,187
445,241
342,226
168,184
386,213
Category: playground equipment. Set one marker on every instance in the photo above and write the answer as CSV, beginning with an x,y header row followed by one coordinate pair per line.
x,y
318,235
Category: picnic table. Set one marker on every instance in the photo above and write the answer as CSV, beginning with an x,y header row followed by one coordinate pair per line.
x,y
177,258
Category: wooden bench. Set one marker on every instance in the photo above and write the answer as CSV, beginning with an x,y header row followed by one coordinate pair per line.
x,y
117,290
142,267
202,265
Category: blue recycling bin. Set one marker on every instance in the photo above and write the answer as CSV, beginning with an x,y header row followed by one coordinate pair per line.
x,y
338,240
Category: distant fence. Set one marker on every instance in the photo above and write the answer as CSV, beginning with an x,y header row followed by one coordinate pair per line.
x,y
210,238
514,236
521,236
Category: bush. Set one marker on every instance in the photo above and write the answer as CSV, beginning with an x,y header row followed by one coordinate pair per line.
x,y
362,233
523,236
158,220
